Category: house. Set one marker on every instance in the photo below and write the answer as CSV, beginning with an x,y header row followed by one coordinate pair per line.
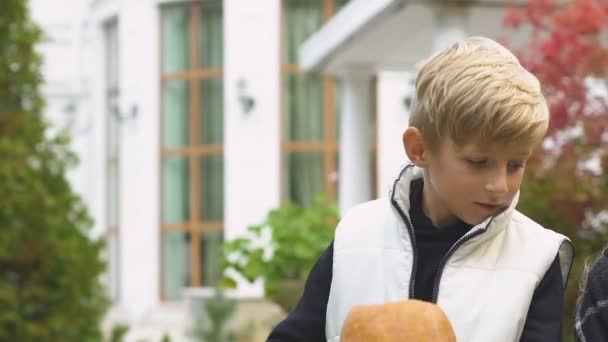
x,y
193,119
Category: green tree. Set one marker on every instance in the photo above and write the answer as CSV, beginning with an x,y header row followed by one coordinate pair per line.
x,y
49,268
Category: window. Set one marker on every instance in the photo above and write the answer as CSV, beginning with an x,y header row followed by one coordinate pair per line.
x,y
192,163
112,158
310,110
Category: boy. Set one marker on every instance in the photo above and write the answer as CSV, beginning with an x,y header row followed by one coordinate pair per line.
x,y
449,232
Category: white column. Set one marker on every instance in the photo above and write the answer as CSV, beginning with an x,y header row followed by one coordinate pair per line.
x,y
355,139
140,247
450,25
251,137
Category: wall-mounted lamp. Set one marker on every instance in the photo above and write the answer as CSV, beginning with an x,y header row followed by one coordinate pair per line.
x,y
245,98
115,109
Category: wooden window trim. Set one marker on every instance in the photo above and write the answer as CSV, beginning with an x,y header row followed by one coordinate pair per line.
x,y
193,75
193,151
330,145
200,227
195,226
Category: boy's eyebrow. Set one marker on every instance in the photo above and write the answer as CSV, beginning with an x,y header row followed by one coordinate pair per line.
x,y
524,154
496,152
520,157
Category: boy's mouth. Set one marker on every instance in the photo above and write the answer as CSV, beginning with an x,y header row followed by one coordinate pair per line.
x,y
489,207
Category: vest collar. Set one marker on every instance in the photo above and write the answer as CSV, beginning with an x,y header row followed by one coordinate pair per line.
x,y
399,194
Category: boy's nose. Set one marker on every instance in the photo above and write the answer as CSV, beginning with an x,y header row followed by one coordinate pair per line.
x,y
498,183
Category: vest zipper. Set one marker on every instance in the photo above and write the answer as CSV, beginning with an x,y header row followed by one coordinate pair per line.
x,y
410,230
449,254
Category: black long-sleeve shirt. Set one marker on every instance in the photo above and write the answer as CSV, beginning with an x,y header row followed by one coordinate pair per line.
x,y
307,321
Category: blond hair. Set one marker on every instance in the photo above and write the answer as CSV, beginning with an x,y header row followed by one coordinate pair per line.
x,y
477,91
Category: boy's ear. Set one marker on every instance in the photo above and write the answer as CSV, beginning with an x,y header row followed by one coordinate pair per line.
x,y
416,150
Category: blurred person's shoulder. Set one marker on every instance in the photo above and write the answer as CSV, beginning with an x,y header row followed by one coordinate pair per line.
x,y
598,275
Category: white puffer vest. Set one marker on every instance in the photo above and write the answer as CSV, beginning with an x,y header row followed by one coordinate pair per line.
x,y
487,281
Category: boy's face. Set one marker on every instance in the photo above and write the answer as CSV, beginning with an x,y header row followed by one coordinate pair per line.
x,y
471,182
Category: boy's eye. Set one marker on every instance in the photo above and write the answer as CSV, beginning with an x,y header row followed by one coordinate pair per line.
x,y
477,162
514,166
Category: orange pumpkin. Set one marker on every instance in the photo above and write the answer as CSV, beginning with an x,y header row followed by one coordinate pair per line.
x,y
400,321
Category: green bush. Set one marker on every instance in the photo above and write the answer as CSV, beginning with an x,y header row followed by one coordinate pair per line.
x,y
49,268
297,236
166,338
118,333
559,198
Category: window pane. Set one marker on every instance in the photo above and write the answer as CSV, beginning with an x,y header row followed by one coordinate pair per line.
x,y
304,108
211,252
112,196
212,188
112,134
212,35
212,111
176,182
176,38
374,180
111,71
113,266
176,263
111,53
338,98
176,107
336,176
303,17
305,176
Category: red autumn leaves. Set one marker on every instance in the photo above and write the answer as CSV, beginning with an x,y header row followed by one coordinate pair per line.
x,y
564,50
